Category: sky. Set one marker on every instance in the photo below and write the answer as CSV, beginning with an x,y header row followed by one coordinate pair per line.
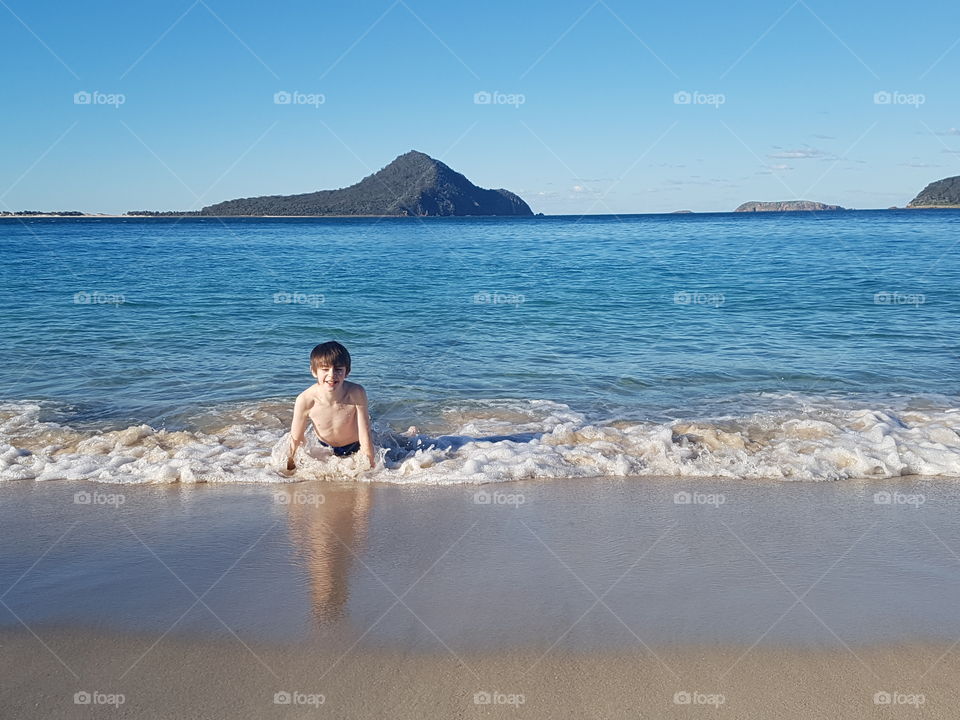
x,y
580,107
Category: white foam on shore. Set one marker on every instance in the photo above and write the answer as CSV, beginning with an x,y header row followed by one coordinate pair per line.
x,y
493,441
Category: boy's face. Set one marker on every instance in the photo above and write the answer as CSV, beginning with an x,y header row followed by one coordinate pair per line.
x,y
329,377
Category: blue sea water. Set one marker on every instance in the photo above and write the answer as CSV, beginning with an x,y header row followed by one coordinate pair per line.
x,y
476,328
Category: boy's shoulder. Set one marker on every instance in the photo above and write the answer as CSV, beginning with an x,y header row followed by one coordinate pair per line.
x,y
355,392
306,398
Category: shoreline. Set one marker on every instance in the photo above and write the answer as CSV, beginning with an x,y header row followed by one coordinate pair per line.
x,y
422,217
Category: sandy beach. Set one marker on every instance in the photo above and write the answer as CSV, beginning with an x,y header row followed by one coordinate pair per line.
x,y
603,598
219,678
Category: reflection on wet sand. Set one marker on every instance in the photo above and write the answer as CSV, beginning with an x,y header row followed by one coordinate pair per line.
x,y
328,525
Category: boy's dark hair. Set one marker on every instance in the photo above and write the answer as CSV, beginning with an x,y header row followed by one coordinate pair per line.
x,y
329,353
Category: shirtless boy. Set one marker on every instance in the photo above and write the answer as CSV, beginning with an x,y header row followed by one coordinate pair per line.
x,y
337,408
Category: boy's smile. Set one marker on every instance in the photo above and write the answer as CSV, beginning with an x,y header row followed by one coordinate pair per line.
x,y
330,378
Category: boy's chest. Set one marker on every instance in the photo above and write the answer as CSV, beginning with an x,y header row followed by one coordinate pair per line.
x,y
333,416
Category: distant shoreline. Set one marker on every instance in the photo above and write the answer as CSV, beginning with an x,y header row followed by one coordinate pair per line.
x,y
166,217
107,216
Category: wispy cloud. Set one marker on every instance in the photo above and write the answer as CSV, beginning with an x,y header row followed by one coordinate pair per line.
x,y
698,180
798,154
585,191
774,169
949,132
918,164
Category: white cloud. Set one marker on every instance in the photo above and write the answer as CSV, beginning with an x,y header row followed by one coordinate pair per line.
x,y
918,164
800,154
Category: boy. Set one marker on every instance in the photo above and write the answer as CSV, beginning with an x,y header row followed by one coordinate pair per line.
x,y
337,408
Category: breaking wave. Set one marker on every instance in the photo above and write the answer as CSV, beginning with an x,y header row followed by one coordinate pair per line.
x,y
481,441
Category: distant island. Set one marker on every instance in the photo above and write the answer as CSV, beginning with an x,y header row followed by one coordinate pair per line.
x,y
414,184
786,205
942,193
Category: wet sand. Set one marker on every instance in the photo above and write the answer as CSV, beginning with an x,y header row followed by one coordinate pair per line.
x,y
562,598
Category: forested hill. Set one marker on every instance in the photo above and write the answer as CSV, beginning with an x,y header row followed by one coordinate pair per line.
x,y
942,193
413,184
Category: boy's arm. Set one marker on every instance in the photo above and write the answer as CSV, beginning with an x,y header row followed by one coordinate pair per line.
x,y
363,427
297,428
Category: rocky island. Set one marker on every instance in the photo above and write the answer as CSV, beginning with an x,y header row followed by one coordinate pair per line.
x,y
786,205
414,184
940,194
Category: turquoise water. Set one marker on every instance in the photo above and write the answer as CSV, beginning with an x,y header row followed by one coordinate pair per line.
x,y
111,323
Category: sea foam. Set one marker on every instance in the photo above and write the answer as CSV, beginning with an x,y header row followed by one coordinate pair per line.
x,y
481,441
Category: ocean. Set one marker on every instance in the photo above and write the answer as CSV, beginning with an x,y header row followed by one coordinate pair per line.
x,y
784,346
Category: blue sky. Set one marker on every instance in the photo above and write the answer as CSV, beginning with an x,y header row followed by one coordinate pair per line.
x,y
777,100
